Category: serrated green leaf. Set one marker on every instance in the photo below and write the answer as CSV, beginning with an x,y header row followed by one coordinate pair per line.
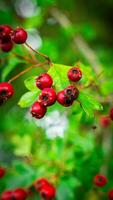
x,y
28,98
89,104
30,83
59,75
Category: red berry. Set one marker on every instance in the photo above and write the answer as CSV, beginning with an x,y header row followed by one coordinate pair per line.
x,y
37,110
40,183
67,96
19,36
48,192
5,30
75,74
105,121
2,172
6,44
110,194
6,195
19,194
44,81
47,97
100,180
111,114
6,91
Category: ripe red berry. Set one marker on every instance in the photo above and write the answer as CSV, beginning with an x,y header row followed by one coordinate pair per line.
x,y
67,96
19,36
5,30
47,97
111,114
40,183
6,91
110,194
19,194
74,74
100,180
44,81
105,121
6,44
2,172
6,195
37,110
48,192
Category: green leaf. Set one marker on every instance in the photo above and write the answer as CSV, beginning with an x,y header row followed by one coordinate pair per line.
x,y
89,104
30,83
28,98
59,75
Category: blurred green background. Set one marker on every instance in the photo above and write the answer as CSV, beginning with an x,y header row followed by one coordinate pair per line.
x,y
66,146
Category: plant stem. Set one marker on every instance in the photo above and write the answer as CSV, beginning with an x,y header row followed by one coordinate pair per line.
x,y
37,52
26,70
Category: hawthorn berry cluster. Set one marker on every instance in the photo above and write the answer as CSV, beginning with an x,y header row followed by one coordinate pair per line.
x,y
46,190
100,181
8,37
106,120
48,95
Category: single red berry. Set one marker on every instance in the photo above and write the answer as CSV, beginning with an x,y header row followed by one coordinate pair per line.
x,y
47,97
40,183
105,121
6,47
67,96
19,36
100,180
5,30
6,195
37,110
110,194
74,74
44,81
2,172
111,114
6,91
19,194
48,192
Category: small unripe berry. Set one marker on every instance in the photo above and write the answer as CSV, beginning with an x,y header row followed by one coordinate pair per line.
x,y
110,194
111,114
67,96
7,195
19,194
100,180
74,74
105,121
2,172
44,81
19,36
6,91
40,183
47,97
48,192
37,110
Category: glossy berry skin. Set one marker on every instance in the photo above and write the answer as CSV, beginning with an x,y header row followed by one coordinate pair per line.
x,y
19,194
5,30
6,47
111,114
6,91
105,121
19,36
74,74
100,180
7,195
48,192
2,172
44,81
40,183
110,194
67,96
37,110
47,97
